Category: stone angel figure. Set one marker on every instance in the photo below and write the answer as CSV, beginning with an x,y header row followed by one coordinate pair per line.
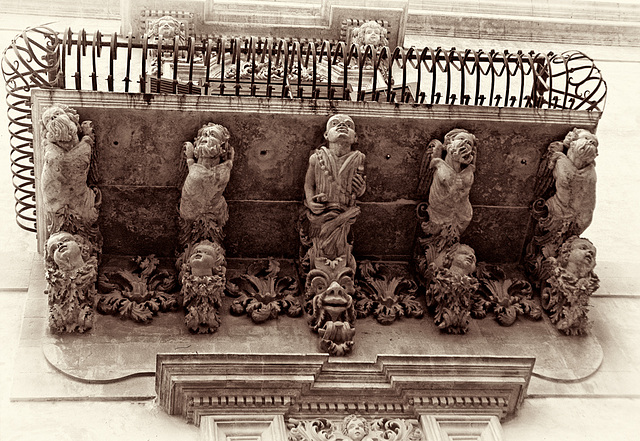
x,y
565,294
203,208
71,271
565,197
70,204
446,176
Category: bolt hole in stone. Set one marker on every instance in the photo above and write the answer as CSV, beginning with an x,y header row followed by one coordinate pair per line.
x,y
115,142
263,152
523,162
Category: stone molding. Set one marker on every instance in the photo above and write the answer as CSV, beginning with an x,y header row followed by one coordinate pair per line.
x,y
315,385
198,103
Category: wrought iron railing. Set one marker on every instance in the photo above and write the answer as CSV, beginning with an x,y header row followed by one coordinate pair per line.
x,y
282,69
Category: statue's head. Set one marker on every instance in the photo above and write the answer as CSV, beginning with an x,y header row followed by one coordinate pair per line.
x,y
205,258
166,27
66,251
578,256
61,123
211,141
460,259
355,427
582,147
340,127
460,146
370,32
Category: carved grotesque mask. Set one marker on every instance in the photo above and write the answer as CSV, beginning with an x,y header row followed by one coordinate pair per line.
x,y
461,148
332,285
341,127
59,125
205,258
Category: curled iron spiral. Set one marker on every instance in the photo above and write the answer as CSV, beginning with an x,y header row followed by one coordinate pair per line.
x,y
30,61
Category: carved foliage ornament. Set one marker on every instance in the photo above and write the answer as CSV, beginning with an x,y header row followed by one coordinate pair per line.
x,y
355,428
263,294
138,294
387,298
506,297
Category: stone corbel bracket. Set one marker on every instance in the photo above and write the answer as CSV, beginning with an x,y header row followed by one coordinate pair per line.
x,y
312,385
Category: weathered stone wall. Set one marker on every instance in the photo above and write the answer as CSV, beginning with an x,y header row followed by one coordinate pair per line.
x,y
140,141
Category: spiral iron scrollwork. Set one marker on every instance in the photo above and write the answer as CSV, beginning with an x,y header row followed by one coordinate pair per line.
x,y
31,60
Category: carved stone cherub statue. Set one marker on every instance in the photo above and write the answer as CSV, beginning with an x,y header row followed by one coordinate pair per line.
x,y
370,33
68,201
71,272
565,294
566,197
448,173
203,208
452,287
203,280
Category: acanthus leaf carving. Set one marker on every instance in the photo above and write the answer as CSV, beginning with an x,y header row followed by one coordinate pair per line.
x,y
263,294
138,294
507,297
387,298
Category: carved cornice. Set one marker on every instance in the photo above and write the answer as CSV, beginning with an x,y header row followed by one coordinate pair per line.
x,y
312,385
368,109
